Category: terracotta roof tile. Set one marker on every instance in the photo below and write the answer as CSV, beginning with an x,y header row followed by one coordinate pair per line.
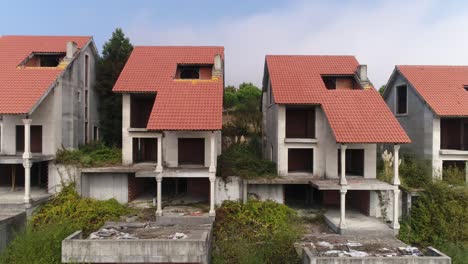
x,y
180,104
442,87
21,88
355,116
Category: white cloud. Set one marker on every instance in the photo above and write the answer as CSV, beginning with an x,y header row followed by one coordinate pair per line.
x,y
380,36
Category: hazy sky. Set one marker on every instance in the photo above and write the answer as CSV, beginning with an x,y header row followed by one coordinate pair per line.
x,y
379,33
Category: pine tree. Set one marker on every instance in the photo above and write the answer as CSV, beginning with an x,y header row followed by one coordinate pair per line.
x,y
114,56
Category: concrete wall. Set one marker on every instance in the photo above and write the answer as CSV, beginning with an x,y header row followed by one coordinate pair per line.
x,y
11,223
60,175
265,192
418,123
229,189
103,186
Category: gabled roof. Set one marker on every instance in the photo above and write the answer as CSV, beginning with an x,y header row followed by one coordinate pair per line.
x,y
179,104
442,87
355,116
21,88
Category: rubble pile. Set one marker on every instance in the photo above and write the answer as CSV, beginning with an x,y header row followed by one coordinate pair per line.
x,y
138,230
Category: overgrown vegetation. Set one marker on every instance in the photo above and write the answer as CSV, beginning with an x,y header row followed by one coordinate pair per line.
x,y
255,232
414,173
439,218
53,222
245,160
242,108
454,176
115,53
90,155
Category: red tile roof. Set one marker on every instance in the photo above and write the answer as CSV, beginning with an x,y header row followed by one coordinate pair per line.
x,y
179,104
442,87
355,116
21,88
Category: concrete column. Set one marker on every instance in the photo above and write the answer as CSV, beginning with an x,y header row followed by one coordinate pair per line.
x,y
212,153
396,192
343,165
212,195
396,163
244,191
159,196
27,164
159,167
342,207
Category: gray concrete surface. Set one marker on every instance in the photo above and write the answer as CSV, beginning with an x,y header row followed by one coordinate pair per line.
x,y
357,224
196,248
433,256
11,223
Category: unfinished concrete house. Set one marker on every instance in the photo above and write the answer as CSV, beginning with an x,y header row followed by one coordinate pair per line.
x,y
322,120
172,117
431,104
47,101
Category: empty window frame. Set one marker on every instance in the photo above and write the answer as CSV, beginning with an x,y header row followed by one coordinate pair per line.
x,y
401,100
96,133
35,139
145,150
86,71
354,160
454,133
189,72
140,109
301,160
300,123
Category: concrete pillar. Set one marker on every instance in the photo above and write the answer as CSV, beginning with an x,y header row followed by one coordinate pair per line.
x,y
244,191
159,196
159,167
395,224
343,165
343,191
212,168
396,163
27,163
127,141
212,195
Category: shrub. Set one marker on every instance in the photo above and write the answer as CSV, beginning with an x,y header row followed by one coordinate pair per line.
x,y
38,246
255,232
439,218
453,175
244,160
90,155
415,173
84,213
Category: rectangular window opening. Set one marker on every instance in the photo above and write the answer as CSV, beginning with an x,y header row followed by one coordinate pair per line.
x,y
191,151
86,71
194,72
354,159
301,160
402,99
454,133
44,60
145,150
35,137
140,109
300,122
344,82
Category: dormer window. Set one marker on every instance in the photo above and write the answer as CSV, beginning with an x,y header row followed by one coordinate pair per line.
x,y
44,60
340,82
466,87
191,72
194,72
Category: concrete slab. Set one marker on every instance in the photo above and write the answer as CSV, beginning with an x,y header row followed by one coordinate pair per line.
x,y
357,224
298,179
17,196
18,159
11,223
354,183
141,243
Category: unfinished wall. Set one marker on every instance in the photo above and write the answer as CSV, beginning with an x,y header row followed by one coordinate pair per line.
x,y
103,186
265,192
228,189
59,175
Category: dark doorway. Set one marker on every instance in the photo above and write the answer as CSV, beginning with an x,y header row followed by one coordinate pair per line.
x,y
191,151
300,160
145,149
354,162
298,195
36,139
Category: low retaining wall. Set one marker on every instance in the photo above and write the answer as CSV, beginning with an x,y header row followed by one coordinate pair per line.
x,y
433,256
10,224
75,249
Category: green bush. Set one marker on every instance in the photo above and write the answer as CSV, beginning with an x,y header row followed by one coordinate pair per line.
x,y
38,246
244,160
255,232
54,221
453,175
439,218
85,213
90,155
415,173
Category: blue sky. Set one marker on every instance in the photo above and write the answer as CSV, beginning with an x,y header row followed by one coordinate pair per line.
x,y
380,33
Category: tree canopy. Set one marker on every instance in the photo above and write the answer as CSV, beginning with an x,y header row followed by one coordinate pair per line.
x,y
114,56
